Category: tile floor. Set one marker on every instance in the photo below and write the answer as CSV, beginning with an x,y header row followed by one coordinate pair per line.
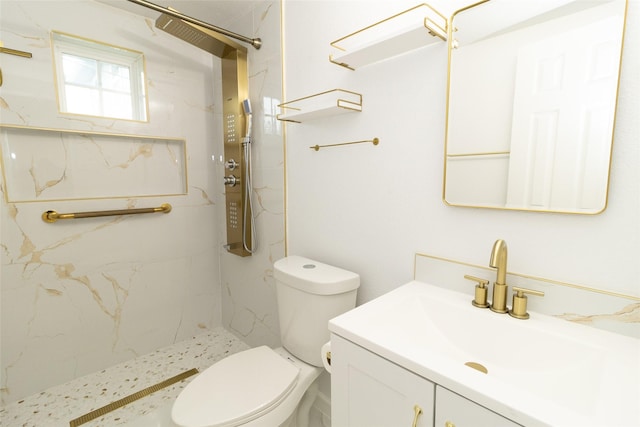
x,y
57,406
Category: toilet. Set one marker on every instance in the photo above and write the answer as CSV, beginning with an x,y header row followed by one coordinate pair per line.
x,y
264,387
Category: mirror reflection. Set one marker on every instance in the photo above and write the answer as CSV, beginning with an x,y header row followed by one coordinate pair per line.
x,y
531,104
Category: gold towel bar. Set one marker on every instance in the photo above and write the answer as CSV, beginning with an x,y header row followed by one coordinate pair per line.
x,y
53,216
15,52
375,141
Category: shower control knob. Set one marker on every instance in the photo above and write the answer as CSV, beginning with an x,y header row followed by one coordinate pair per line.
x,y
231,164
231,180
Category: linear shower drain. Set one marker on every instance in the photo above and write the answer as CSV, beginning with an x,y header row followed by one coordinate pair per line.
x,y
131,398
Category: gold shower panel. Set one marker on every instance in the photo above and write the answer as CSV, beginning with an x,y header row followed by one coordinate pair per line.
x,y
235,89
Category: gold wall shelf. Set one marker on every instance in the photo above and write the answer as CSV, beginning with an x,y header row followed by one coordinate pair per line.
x,y
329,103
411,29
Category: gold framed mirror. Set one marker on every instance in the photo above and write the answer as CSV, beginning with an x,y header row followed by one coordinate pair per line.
x,y
531,97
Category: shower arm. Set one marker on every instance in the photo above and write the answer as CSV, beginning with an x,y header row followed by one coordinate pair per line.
x,y
257,43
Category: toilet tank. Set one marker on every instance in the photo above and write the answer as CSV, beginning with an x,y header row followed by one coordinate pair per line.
x,y
309,294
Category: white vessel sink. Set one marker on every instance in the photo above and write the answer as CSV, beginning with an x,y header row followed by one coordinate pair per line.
x,y
541,371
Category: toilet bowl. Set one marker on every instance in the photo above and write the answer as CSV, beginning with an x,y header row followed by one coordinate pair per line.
x,y
264,387
257,387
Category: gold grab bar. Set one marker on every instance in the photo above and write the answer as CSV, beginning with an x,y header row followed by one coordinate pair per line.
x,y
15,52
53,216
12,52
316,147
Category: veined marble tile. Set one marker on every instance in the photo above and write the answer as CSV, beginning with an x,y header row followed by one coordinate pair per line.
x,y
48,164
58,405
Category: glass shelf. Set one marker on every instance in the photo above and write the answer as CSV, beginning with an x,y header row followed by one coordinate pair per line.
x,y
414,28
329,103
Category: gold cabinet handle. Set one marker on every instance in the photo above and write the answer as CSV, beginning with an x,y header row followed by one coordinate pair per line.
x,y
416,414
449,424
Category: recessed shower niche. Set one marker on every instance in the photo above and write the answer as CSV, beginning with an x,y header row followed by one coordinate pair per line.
x,y
51,164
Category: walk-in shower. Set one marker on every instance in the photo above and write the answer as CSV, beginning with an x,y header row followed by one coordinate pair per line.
x,y
235,94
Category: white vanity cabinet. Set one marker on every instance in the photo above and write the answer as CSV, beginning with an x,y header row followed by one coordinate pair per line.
x,y
453,410
370,391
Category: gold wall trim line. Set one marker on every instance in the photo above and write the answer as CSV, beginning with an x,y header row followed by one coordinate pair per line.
x,y
53,216
131,398
527,276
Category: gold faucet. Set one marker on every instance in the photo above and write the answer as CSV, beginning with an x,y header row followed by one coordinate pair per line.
x,y
499,261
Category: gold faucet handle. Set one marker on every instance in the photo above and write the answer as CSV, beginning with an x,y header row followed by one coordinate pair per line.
x,y
519,308
480,299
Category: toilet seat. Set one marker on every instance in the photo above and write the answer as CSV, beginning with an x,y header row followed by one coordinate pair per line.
x,y
236,389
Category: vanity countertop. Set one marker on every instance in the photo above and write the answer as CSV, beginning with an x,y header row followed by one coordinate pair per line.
x,y
542,371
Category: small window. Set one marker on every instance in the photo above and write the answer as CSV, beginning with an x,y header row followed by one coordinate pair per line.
x,y
97,79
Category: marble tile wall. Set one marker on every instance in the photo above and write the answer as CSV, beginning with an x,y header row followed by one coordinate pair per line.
x,y
81,295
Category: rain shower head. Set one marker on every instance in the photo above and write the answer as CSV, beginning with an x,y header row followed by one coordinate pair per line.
x,y
201,37
199,33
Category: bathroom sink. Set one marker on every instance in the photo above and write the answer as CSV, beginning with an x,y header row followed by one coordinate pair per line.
x,y
540,371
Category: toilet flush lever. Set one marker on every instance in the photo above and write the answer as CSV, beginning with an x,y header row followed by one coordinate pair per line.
x,y
480,299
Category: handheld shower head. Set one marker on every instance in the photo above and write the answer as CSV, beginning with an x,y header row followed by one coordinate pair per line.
x,y
246,107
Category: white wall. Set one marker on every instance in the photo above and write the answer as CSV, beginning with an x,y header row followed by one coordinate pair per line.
x,y
82,295
369,209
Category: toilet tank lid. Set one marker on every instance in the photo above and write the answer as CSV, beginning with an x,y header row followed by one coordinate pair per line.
x,y
314,277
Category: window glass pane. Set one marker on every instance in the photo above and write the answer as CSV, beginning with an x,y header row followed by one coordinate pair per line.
x,y
116,74
117,105
115,77
80,71
82,100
